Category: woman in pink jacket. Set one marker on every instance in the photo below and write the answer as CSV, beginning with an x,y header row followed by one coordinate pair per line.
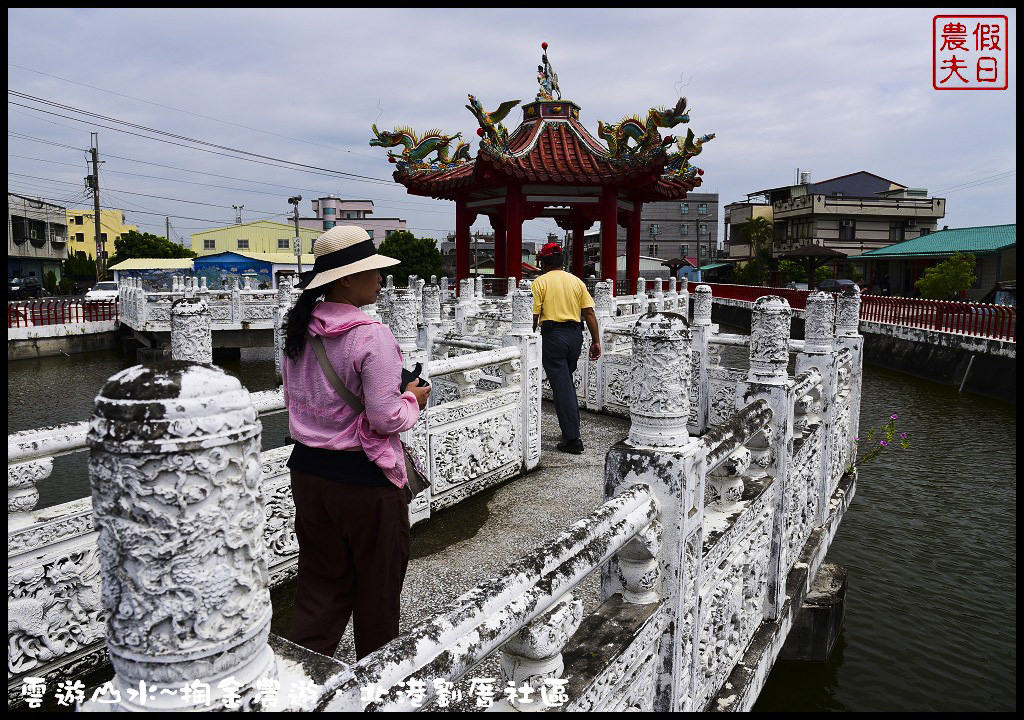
x,y
347,469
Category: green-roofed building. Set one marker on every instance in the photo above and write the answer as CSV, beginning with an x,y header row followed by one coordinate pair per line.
x,y
900,265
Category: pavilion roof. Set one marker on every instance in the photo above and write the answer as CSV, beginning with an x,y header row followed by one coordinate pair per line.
x,y
552,150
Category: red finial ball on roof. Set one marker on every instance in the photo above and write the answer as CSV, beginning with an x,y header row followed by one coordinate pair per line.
x,y
668,140
699,171
544,46
480,132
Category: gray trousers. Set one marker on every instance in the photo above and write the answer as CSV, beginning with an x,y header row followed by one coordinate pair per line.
x,y
560,351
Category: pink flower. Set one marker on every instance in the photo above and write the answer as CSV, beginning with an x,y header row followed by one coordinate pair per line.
x,y
894,417
883,443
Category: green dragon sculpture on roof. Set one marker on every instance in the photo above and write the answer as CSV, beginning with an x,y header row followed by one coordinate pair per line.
x,y
644,133
417,149
491,130
678,165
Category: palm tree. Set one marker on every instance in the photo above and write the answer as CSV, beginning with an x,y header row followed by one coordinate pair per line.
x,y
759,234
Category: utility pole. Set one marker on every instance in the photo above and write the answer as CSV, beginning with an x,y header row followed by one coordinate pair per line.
x,y
168,235
94,183
297,242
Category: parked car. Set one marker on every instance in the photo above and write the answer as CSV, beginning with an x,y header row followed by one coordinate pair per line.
x,y
797,286
106,290
20,288
836,285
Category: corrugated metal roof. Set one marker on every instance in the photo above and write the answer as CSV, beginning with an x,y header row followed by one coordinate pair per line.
x,y
153,264
985,240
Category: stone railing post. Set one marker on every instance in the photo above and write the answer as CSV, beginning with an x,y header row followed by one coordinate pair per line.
x,y
594,380
22,494
236,302
433,323
770,322
446,291
848,336
819,353
701,329
191,335
284,304
534,654
385,298
402,321
510,288
417,286
640,303
659,296
479,287
178,505
528,342
465,306
683,301
672,299
660,453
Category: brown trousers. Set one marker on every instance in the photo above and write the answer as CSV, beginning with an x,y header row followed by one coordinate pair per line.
x,y
353,553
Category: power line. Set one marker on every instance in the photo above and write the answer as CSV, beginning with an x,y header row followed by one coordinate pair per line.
x,y
187,112
249,155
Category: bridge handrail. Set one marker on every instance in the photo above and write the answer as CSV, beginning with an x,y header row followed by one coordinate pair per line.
x,y
722,440
472,361
455,639
60,311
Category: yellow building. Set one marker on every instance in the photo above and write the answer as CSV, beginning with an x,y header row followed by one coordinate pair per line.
x,y
82,230
261,236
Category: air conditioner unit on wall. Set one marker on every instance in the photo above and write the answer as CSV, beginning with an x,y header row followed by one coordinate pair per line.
x,y
911,223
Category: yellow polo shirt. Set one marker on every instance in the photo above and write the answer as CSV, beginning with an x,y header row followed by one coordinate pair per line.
x,y
560,296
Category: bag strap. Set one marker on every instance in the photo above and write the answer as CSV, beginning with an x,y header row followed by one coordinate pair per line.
x,y
332,376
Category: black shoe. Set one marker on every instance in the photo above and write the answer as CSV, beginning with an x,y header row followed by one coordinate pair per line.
x,y
571,446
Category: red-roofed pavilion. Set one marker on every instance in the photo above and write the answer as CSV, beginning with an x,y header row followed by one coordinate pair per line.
x,y
551,166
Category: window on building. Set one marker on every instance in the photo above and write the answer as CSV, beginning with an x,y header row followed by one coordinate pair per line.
x,y
802,229
897,231
846,228
703,229
684,250
702,209
283,244
103,237
652,250
209,244
684,208
349,216
328,224
370,233
926,231
243,244
684,229
79,237
703,250
79,220
330,211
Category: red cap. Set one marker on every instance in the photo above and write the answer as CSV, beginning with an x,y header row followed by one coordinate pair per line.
x,y
552,248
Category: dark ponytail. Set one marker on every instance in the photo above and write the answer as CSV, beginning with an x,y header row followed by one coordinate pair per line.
x,y
296,323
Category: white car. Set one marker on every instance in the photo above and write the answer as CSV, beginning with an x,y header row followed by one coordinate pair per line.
x,y
106,290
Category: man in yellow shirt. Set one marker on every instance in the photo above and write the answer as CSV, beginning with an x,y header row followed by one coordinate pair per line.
x,y
560,301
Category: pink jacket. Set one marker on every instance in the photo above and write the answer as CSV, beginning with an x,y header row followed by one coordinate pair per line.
x,y
366,357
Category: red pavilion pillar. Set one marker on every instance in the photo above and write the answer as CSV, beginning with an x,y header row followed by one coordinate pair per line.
x,y
514,232
500,250
633,247
609,235
463,221
579,227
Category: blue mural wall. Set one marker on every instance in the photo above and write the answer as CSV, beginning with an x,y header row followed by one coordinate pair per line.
x,y
153,280
219,268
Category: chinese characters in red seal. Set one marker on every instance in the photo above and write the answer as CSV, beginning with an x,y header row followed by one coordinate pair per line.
x,y
970,52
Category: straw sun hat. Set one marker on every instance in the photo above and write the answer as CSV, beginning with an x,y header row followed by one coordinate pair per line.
x,y
341,251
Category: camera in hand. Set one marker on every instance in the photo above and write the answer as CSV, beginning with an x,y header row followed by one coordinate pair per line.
x,y
409,375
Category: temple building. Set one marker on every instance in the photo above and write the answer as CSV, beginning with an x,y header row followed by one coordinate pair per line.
x,y
551,166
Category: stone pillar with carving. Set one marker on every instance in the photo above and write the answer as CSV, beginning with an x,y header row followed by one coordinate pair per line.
x,y
594,380
701,329
433,324
820,353
236,302
640,303
767,378
284,304
848,336
683,299
528,342
404,312
663,561
178,505
465,307
191,336
672,297
659,296
385,298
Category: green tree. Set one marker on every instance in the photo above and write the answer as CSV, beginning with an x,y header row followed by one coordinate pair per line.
x,y
78,268
759,234
50,282
419,256
134,244
793,271
949,278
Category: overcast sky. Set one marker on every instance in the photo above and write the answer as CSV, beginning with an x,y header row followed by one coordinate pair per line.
x,y
827,91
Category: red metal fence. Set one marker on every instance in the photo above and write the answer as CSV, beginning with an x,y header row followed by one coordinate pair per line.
x,y
32,313
966,318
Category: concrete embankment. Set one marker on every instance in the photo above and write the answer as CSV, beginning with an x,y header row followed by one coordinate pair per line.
x,y
27,343
978,365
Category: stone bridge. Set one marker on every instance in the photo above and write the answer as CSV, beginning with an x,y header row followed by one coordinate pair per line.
x,y
721,504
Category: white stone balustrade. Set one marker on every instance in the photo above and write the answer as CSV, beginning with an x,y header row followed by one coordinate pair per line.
x,y
187,479
191,337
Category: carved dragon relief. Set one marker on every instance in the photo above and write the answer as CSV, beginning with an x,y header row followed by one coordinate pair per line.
x,y
491,130
643,133
417,149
